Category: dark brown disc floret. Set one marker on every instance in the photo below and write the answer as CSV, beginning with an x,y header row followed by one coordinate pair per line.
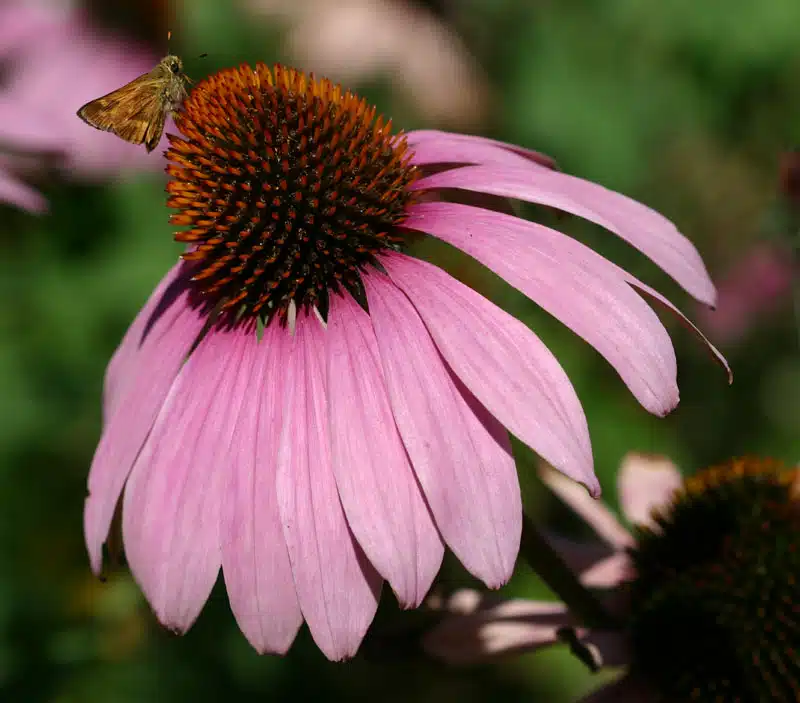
x,y
715,604
288,187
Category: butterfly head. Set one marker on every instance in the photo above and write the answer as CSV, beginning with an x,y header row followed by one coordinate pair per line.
x,y
173,64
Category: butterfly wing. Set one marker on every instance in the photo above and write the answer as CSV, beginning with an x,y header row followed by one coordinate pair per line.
x,y
155,129
135,112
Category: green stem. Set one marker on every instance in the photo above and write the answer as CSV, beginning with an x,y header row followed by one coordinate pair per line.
x,y
550,567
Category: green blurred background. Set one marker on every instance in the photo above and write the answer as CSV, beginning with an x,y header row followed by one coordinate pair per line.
x,y
686,109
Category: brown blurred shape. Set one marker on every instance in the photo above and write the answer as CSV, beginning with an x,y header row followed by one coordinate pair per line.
x,y
790,177
149,20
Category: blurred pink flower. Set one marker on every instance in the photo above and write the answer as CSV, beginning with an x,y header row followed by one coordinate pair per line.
x,y
54,63
753,289
315,459
698,569
357,40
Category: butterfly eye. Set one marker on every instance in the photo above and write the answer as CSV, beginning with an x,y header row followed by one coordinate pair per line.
x,y
175,67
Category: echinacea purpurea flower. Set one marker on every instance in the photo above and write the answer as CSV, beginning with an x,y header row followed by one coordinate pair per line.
x,y
314,411
705,588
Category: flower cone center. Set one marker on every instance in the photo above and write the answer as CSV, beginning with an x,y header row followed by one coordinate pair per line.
x,y
287,188
716,612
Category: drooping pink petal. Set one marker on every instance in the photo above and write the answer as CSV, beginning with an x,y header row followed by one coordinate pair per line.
x,y
656,297
380,494
167,337
597,564
593,512
255,561
609,572
464,601
172,503
616,271
15,192
580,557
650,232
508,369
510,627
477,627
571,282
460,454
430,146
337,587
645,484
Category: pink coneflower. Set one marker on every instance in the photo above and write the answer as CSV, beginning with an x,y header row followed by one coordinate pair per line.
x,y
54,61
314,411
705,589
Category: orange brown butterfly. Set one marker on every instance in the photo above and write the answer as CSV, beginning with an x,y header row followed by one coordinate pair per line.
x,y
136,112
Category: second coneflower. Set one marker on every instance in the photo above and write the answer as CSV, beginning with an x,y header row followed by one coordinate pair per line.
x,y
702,596
307,407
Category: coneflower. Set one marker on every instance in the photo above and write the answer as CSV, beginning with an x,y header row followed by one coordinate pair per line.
x,y
313,410
704,591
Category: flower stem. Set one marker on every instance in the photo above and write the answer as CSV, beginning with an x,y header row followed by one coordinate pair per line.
x,y
550,567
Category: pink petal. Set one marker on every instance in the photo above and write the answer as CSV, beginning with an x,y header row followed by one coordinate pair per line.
x,y
513,626
379,491
172,504
431,146
611,269
609,572
651,233
503,363
574,284
462,602
460,454
594,512
596,565
656,297
337,587
646,484
15,192
580,557
159,356
255,561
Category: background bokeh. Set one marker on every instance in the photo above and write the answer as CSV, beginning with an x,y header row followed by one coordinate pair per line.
x,y
685,106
